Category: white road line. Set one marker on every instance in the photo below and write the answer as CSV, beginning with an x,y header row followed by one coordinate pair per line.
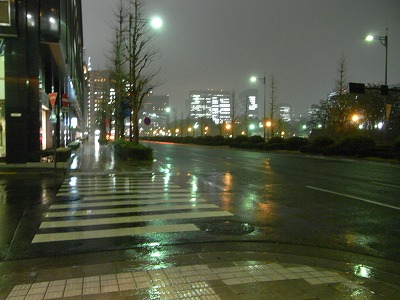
x,y
84,205
117,187
111,180
95,212
113,183
166,196
117,191
134,219
107,233
385,184
354,197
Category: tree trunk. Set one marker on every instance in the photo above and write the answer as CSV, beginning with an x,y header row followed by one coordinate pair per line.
x,y
135,126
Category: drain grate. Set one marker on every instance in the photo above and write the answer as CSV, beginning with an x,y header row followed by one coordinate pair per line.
x,y
227,227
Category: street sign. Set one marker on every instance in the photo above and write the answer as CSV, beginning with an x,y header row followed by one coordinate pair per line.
x,y
52,97
147,121
356,88
65,102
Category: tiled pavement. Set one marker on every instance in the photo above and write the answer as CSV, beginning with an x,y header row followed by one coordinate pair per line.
x,y
188,282
216,276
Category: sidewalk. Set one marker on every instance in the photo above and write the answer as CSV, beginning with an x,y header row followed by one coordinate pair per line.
x,y
226,270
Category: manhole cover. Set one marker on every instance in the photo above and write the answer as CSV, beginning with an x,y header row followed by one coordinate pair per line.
x,y
227,227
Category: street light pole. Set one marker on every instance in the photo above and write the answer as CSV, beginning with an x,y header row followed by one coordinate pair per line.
x,y
262,79
384,41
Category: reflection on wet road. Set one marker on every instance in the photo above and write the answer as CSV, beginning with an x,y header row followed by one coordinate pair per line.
x,y
296,199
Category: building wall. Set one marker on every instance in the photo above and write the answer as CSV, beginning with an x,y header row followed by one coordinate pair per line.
x,y
42,54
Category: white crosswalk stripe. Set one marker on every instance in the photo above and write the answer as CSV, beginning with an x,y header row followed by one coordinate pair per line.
x,y
96,205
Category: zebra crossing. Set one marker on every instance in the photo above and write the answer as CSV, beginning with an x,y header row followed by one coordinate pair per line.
x,y
106,206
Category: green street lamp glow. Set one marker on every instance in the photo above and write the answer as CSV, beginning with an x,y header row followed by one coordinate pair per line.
x,y
156,22
253,79
369,38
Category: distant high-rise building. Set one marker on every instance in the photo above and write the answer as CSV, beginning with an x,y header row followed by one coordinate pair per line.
x,y
155,107
249,103
98,96
285,112
211,104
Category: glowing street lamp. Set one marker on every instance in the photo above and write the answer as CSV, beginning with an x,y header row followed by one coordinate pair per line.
x,y
355,118
384,42
156,22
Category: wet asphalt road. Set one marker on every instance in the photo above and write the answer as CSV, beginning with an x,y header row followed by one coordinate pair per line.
x,y
295,199
274,198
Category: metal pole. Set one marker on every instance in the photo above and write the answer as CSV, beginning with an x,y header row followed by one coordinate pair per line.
x,y
386,62
265,104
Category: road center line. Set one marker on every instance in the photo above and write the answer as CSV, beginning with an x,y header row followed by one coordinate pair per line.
x,y
385,184
353,197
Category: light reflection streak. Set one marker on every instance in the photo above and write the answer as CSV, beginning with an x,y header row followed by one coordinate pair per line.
x,y
167,179
74,164
363,271
156,254
73,181
155,244
111,165
226,197
97,151
227,181
226,201
194,185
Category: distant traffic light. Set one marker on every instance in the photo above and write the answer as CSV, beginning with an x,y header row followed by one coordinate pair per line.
x,y
356,88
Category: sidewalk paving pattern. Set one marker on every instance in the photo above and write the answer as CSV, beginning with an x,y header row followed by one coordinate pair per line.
x,y
188,282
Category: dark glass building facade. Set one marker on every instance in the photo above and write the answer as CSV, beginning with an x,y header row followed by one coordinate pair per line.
x,y
41,53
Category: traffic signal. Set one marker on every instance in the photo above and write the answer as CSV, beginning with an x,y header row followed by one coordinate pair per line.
x,y
356,88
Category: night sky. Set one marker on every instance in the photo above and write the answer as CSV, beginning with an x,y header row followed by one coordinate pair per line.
x,y
219,44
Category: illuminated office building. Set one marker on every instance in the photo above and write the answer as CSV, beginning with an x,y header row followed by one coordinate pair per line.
x,y
285,112
249,103
98,97
210,104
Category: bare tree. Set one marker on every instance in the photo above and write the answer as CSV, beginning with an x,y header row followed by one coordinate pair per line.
x,y
118,75
141,55
334,114
272,104
341,106
234,114
133,58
